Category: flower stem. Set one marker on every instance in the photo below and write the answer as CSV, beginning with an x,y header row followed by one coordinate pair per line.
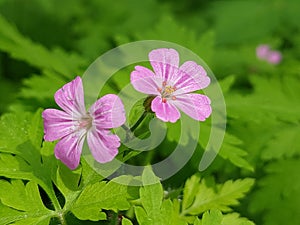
x,y
62,219
138,122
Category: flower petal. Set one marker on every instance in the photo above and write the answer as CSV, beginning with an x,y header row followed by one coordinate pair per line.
x,y
190,77
104,146
70,98
197,72
164,61
143,80
108,112
57,124
165,111
196,106
69,148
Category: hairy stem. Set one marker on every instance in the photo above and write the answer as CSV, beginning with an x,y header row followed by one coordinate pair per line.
x,y
138,122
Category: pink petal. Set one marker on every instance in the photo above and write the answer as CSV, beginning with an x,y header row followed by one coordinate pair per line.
x,y
104,146
165,111
197,72
69,148
108,112
196,106
57,124
143,80
184,83
70,98
164,61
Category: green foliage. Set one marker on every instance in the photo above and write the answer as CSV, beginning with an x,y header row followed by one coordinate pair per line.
x,y
26,202
215,217
198,197
100,196
272,98
197,200
126,221
28,165
279,187
154,209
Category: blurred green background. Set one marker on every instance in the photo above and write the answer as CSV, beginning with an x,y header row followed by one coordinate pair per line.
x,y
45,43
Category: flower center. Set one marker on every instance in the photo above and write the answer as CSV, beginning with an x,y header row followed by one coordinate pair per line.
x,y
86,122
167,91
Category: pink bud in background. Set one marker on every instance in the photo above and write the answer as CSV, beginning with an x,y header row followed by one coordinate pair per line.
x,y
274,57
262,51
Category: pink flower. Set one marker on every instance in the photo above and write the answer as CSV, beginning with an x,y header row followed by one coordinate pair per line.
x,y
274,57
264,52
172,86
72,125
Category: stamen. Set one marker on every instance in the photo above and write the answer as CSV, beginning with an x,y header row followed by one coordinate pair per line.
x,y
169,90
173,98
164,100
164,83
86,122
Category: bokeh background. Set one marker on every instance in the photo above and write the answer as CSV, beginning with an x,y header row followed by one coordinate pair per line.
x,y
45,43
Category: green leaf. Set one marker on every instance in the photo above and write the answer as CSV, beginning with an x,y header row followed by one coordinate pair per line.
x,y
283,143
22,157
152,192
226,195
42,86
271,99
14,43
26,200
231,148
190,190
213,217
126,221
235,219
197,221
232,151
277,198
98,196
21,134
155,210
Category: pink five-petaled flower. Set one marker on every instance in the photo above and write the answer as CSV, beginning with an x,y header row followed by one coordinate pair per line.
x,y
74,123
172,85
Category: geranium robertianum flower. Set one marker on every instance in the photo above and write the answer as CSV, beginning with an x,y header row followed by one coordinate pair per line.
x,y
265,53
74,123
172,85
